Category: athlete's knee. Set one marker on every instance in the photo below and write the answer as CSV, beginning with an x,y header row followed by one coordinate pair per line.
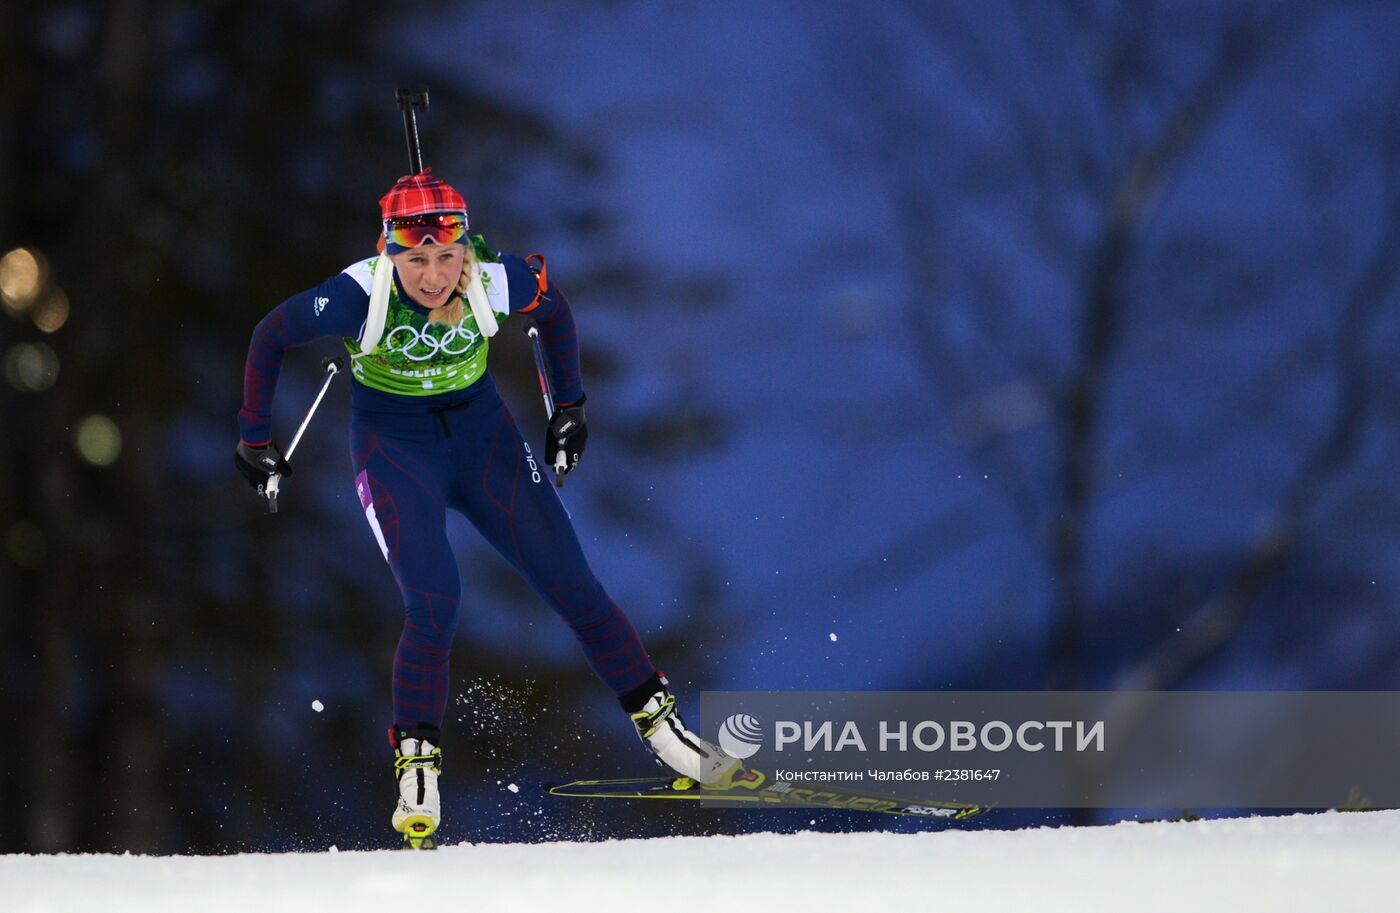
x,y
431,617
583,604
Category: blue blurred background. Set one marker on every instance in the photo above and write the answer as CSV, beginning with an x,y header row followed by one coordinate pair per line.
x,y
928,345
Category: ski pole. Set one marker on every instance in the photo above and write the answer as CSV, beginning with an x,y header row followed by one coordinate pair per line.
x,y
559,460
332,365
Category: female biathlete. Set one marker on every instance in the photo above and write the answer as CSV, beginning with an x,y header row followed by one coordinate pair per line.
x,y
429,432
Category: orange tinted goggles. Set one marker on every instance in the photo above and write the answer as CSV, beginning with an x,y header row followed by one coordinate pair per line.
x,y
442,228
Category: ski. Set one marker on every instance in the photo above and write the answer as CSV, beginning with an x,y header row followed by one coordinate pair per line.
x,y
755,789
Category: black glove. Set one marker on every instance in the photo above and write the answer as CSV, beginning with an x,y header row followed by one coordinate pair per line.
x,y
567,431
259,463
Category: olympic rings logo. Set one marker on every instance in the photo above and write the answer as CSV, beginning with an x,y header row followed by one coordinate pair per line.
x,y
420,345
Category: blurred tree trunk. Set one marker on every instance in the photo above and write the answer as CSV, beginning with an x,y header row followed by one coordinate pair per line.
x,y
1101,323
94,786
129,732
41,780
18,634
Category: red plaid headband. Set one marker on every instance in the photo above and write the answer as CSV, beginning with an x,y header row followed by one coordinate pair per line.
x,y
418,194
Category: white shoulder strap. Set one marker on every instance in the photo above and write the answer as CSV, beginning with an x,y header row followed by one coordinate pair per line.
x,y
378,305
481,308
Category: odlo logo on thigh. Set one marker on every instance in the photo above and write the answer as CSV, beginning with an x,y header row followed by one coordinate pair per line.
x,y
534,469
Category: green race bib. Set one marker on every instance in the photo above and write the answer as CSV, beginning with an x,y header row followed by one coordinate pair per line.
x,y
416,358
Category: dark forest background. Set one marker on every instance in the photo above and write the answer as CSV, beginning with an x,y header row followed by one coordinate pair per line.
x,y
1063,359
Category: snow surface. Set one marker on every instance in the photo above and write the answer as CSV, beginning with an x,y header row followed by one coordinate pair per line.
x,y
1328,862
